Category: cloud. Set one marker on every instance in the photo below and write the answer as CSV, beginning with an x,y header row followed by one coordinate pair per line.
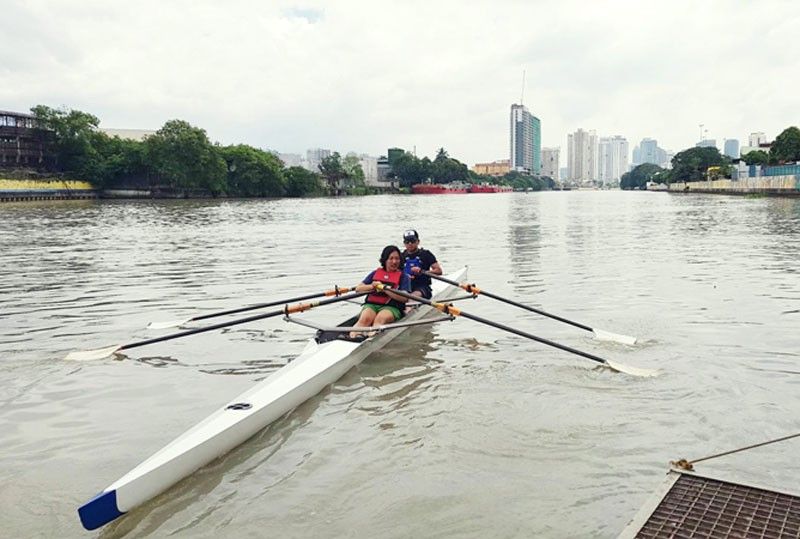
x,y
365,76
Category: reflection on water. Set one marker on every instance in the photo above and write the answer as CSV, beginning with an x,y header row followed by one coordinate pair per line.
x,y
461,430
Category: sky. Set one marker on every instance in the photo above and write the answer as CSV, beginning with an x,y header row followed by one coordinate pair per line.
x,y
419,75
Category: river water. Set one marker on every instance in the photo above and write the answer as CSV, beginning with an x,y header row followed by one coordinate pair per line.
x,y
462,431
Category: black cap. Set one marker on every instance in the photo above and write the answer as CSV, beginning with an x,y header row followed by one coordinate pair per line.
x,y
410,235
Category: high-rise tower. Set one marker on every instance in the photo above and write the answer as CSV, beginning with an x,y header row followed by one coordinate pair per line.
x,y
525,140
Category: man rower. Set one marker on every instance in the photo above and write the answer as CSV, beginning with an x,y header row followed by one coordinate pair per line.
x,y
415,261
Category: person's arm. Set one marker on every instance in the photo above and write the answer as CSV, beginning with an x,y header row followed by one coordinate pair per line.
x,y
436,269
366,285
405,286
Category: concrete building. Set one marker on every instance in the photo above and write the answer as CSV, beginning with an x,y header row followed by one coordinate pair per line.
x,y
582,156
525,137
493,168
757,139
707,143
291,159
648,151
612,159
21,144
550,163
128,134
369,165
732,148
314,157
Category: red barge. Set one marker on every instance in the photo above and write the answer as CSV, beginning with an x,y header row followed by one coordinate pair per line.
x,y
457,188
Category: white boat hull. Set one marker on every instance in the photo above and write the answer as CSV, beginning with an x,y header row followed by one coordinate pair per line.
x,y
317,367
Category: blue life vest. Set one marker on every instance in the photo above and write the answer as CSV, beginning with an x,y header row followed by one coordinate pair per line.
x,y
410,263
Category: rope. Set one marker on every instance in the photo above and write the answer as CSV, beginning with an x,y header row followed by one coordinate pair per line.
x,y
688,464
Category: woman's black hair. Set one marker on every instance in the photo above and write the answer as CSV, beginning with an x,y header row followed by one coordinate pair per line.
x,y
387,251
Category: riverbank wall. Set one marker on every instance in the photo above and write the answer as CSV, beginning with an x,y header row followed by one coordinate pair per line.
x,y
772,186
21,190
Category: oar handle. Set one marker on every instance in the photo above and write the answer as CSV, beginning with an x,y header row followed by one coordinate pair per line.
x,y
286,310
453,311
472,289
336,291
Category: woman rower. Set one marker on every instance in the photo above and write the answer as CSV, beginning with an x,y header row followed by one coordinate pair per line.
x,y
383,307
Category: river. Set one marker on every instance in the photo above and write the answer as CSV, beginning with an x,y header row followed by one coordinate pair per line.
x,y
462,431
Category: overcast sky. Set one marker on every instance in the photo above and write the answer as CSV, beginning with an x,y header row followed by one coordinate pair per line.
x,y
364,76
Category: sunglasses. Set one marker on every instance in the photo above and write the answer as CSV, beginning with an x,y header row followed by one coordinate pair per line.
x,y
410,241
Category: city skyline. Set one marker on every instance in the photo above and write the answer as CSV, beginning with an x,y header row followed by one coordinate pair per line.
x,y
363,76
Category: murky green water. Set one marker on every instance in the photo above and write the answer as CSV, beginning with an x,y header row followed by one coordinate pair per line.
x,y
458,432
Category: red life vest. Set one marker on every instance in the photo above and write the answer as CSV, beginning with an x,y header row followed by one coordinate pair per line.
x,y
391,278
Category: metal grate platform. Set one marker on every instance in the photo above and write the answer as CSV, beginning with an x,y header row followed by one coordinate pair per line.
x,y
690,505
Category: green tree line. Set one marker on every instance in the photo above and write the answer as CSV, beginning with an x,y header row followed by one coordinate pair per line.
x,y
178,156
411,170
693,164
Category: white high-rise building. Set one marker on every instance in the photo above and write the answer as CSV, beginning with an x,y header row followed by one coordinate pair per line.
x,y
757,139
582,156
291,159
369,165
612,158
550,163
314,157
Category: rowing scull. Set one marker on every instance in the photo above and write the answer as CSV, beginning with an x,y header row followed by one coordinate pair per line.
x,y
323,361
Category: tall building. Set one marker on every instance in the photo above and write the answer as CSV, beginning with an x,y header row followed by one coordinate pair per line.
x,y
314,157
757,139
612,158
525,140
707,143
582,156
649,151
550,163
732,148
291,159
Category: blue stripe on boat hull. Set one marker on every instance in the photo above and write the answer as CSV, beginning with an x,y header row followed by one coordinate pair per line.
x,y
100,510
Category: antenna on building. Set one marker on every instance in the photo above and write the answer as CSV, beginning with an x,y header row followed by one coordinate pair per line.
x,y
522,97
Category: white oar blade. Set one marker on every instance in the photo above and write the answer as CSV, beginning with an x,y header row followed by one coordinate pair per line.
x,y
91,355
601,335
633,371
165,325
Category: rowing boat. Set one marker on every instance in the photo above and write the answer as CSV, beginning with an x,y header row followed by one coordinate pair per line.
x,y
324,360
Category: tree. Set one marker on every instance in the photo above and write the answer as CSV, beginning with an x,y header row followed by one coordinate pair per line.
x,y
352,167
639,176
756,157
692,164
301,182
786,147
445,169
410,170
333,172
253,172
183,156
72,131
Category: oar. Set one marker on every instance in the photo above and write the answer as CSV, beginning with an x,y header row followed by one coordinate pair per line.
x,y
453,311
177,323
101,353
598,333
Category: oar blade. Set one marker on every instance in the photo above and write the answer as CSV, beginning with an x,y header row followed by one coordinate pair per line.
x,y
602,335
633,371
166,325
92,355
